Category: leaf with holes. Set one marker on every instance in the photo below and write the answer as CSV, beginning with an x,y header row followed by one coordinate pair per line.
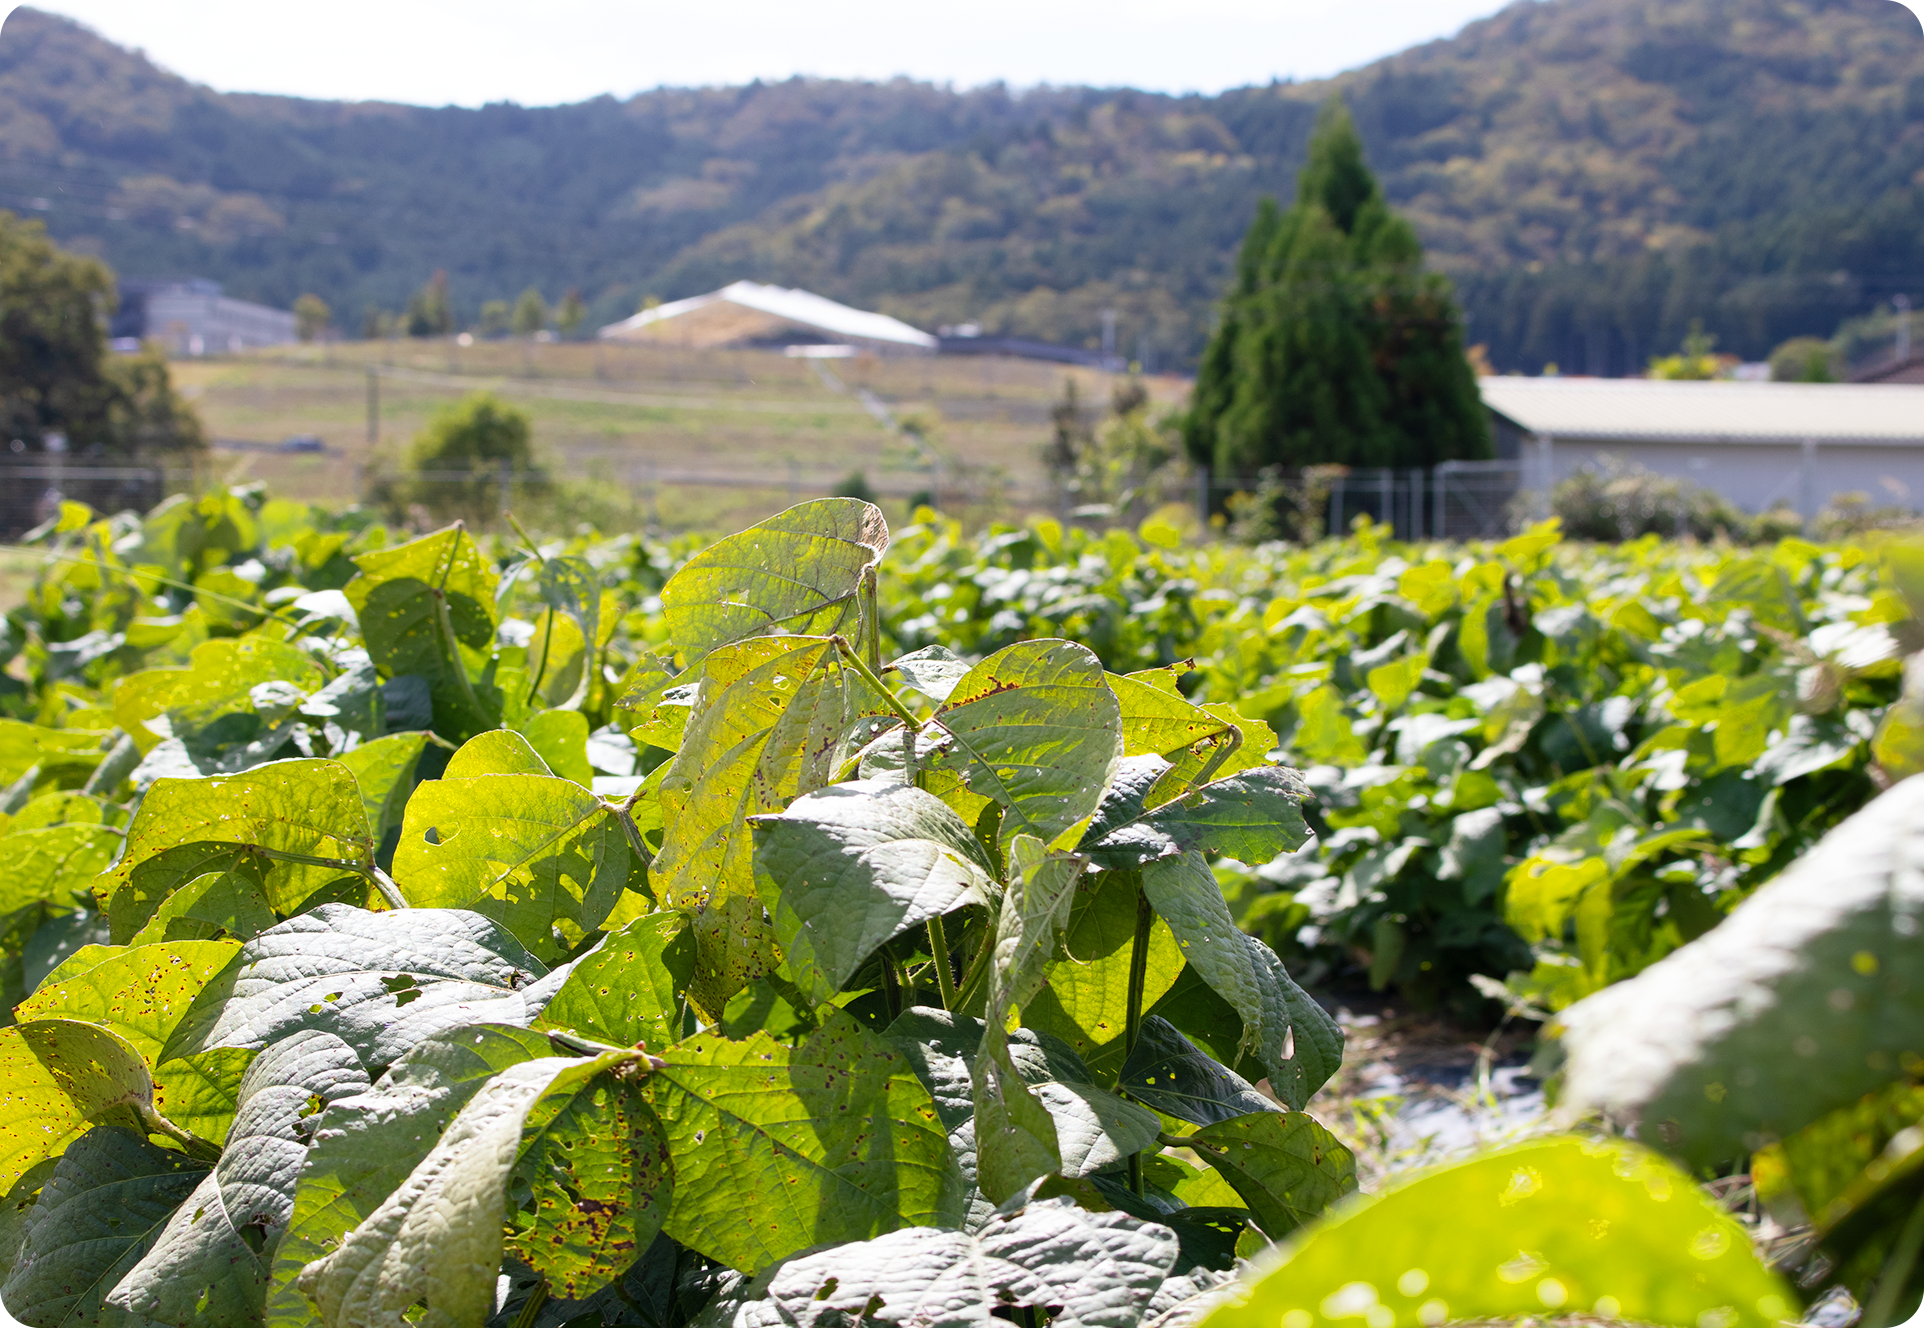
x,y
1254,816
1286,1166
57,1078
1035,728
798,572
847,869
304,808
209,1265
380,982
776,1148
55,863
1295,1039
628,990
775,719
433,1241
383,770
365,1146
542,856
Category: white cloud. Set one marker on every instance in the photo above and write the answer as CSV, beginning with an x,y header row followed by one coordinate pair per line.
x,y
472,51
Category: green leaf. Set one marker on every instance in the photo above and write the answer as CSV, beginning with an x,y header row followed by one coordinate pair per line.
x,y
777,1149
776,719
1036,728
427,609
933,671
846,869
214,906
1563,1225
542,856
572,586
437,1238
378,981
1084,1268
1085,1000
797,572
1298,1043
1252,817
560,738
734,946
216,686
496,752
307,807
1095,1129
105,1205
1157,720
1015,1136
209,1265
365,1147
134,903
1170,1073
67,807
628,989
384,772
1800,1002
56,863
1286,1167
141,991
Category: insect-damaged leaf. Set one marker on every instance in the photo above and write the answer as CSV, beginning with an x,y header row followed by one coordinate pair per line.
x,y
1035,728
209,1265
365,1146
628,989
1297,1041
215,906
1090,1270
776,1148
57,1077
776,718
56,863
307,807
1172,1074
1806,998
1095,1129
1252,816
1593,1227
542,856
848,868
1016,1138
437,1239
384,772
1286,1167
797,572
378,981
109,1197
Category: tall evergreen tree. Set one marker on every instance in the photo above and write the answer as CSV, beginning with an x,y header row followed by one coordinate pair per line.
x,y
1334,345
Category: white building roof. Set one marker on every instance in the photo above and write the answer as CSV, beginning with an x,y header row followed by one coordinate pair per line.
x,y
1654,410
800,307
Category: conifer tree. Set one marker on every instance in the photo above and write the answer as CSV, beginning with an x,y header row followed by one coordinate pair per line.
x,y
1334,346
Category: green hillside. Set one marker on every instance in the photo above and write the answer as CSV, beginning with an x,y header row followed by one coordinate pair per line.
x,y
1594,174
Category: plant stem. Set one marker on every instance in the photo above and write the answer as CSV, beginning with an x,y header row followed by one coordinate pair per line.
x,y
191,1144
1132,1019
869,579
874,679
532,1310
944,971
389,890
527,539
1897,1271
891,986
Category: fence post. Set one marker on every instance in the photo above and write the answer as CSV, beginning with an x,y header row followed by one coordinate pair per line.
x,y
1202,497
1416,503
1808,496
1439,477
505,476
1334,525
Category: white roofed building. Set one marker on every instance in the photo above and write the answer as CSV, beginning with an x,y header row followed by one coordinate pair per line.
x,y
1760,444
747,313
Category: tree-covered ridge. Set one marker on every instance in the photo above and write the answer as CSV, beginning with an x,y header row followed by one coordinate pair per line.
x,y
1594,173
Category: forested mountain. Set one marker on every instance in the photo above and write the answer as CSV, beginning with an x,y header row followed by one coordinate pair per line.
x,y
1593,173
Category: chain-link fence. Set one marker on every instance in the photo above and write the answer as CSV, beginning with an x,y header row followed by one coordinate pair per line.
x,y
31,493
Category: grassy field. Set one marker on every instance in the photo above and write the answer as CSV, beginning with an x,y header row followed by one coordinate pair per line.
x,y
689,438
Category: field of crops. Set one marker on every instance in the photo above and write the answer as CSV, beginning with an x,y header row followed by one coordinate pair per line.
x,y
829,924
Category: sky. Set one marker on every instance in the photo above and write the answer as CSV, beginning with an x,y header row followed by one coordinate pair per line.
x,y
468,52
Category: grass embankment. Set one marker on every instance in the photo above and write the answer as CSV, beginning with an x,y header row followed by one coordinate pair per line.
x,y
692,439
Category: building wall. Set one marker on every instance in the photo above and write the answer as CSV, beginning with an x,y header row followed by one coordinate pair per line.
x,y
193,322
1754,476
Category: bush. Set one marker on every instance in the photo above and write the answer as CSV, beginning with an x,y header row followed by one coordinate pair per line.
x,y
1621,501
455,465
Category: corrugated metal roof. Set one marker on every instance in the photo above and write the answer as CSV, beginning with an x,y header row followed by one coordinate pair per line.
x,y
1652,410
795,306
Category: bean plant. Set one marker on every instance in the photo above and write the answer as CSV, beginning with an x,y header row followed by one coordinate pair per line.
x,y
345,991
